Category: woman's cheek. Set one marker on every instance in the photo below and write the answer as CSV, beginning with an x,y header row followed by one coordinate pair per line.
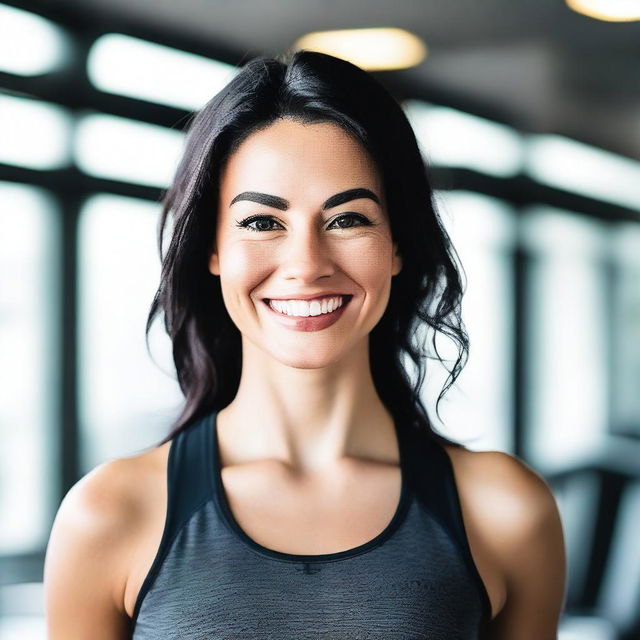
x,y
243,259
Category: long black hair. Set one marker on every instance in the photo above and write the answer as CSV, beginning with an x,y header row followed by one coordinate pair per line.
x,y
310,87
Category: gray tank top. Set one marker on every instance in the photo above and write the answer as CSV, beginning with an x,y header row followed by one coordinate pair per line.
x,y
416,579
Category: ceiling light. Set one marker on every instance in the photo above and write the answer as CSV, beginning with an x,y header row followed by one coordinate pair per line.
x,y
29,44
140,69
128,150
583,169
34,134
374,49
608,10
452,138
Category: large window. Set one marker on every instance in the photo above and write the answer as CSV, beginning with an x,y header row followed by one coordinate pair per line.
x,y
126,397
477,410
567,319
29,348
625,330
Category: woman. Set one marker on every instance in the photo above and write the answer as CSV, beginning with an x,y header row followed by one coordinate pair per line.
x,y
302,492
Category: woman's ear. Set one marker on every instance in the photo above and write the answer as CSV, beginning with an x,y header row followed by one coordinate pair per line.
x,y
214,262
397,260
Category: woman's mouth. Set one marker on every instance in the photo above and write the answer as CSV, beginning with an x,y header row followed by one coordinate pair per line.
x,y
309,323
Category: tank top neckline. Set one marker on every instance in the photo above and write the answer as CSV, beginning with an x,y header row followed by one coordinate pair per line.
x,y
225,510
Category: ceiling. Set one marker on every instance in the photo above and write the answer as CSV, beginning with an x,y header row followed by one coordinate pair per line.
x,y
537,65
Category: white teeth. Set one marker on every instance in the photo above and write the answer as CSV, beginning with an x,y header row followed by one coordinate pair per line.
x,y
304,309
315,308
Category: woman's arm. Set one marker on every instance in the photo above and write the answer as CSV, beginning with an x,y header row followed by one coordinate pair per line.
x,y
529,547
84,573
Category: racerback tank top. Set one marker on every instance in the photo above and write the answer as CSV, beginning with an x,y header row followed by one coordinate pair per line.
x,y
209,579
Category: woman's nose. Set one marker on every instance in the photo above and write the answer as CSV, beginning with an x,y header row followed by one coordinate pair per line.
x,y
305,253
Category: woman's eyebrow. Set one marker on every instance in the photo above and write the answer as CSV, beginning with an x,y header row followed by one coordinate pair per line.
x,y
281,203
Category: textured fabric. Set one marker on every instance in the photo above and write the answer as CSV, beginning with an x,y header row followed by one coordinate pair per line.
x,y
416,579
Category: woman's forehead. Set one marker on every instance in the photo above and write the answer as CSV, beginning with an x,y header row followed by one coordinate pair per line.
x,y
290,155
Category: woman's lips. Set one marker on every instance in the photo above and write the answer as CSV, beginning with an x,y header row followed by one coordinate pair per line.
x,y
310,323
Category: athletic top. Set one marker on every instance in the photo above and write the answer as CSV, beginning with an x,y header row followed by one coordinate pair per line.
x,y
209,579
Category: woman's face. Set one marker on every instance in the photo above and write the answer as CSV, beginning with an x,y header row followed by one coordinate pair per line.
x,y
297,247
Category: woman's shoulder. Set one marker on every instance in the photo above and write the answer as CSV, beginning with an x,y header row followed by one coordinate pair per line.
x,y
117,487
115,497
108,513
514,525
501,486
97,527
124,485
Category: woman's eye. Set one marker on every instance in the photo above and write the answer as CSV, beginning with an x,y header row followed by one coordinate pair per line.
x,y
261,220
361,220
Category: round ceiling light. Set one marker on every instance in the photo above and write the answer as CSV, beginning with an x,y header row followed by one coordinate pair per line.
x,y
374,49
608,10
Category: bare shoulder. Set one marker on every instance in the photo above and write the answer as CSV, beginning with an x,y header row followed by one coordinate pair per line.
x,y
496,478
114,495
90,546
514,512
503,490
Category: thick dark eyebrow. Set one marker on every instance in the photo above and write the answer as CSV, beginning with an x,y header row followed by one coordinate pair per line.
x,y
282,204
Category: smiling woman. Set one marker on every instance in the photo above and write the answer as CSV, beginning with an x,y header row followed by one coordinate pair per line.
x,y
306,251
303,491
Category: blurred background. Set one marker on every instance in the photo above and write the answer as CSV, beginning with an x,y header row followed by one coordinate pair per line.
x,y
529,117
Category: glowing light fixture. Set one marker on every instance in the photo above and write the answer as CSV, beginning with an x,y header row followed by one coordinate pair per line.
x,y
34,134
581,168
453,138
373,49
127,150
608,10
139,69
30,44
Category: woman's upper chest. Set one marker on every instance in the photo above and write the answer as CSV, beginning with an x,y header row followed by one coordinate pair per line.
x,y
339,509
279,511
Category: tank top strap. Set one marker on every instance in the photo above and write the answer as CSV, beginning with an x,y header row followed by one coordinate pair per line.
x,y
432,474
189,471
189,486
432,477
